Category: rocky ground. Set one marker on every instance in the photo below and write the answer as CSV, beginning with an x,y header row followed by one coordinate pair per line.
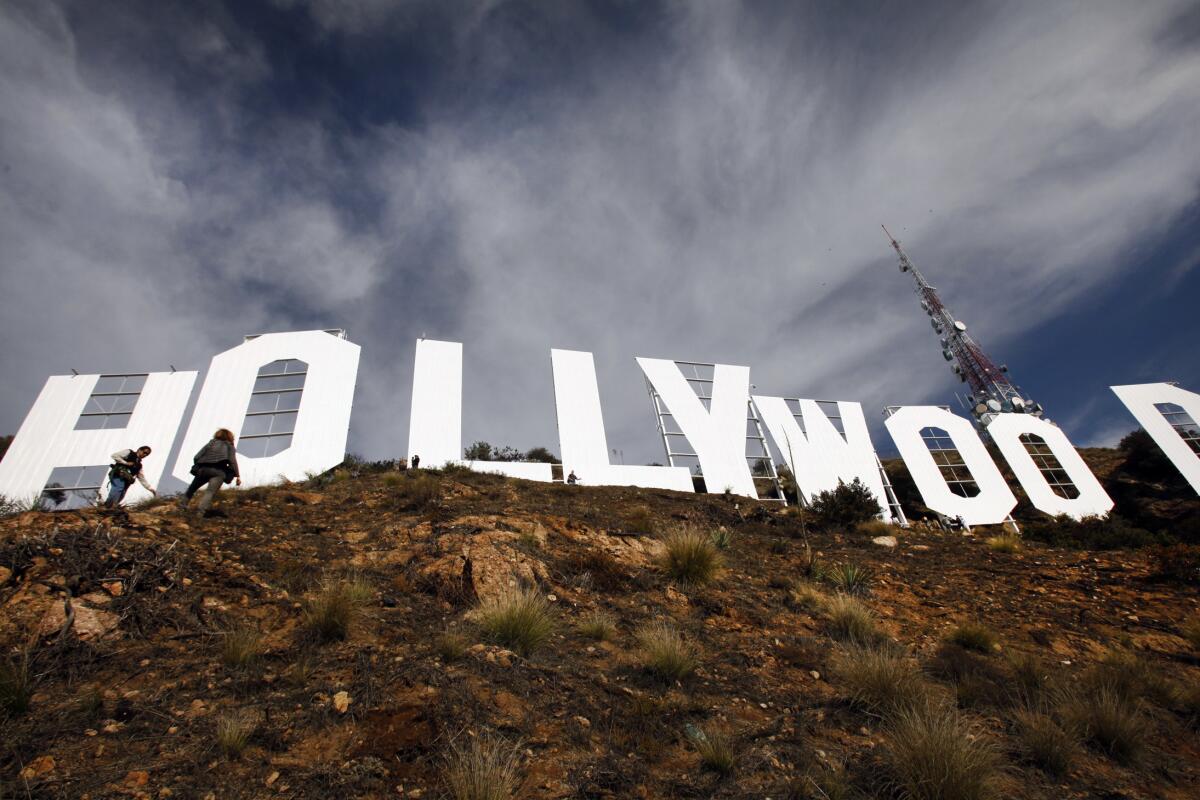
x,y
125,620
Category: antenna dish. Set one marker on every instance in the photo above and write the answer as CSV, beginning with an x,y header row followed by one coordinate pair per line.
x,y
933,323
981,408
1018,403
994,405
946,354
960,325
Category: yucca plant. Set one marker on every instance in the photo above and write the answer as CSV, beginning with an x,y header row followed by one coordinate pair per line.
x,y
851,578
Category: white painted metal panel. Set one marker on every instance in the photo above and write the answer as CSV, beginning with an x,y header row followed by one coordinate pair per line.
x,y
435,420
322,423
581,437
995,500
435,424
717,436
1140,399
48,439
1006,431
822,458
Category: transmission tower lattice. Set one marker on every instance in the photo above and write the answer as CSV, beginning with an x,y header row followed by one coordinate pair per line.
x,y
992,391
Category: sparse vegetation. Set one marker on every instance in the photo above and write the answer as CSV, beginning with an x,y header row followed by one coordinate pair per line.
x,y
665,652
1110,721
722,538
1111,532
234,731
806,596
1005,543
483,767
241,647
640,520
715,749
690,557
331,611
599,626
520,619
451,646
1046,743
16,685
879,679
420,492
876,527
851,578
848,620
973,636
934,755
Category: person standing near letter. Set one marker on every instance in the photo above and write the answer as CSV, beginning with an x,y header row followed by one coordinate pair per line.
x,y
416,461
216,463
126,468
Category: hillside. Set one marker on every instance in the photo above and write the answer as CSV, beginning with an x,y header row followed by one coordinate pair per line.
x,y
175,657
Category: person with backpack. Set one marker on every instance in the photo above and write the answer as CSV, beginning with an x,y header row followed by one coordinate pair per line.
x,y
125,469
216,463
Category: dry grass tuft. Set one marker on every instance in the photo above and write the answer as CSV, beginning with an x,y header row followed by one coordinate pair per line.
x,y
973,636
520,620
848,620
716,751
482,768
329,613
1110,721
806,596
1029,678
1005,543
690,557
934,755
1046,743
241,647
420,492
234,731
16,685
665,652
599,626
879,679
451,646
876,527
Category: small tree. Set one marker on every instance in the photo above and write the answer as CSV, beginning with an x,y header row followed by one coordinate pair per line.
x,y
846,506
541,454
479,451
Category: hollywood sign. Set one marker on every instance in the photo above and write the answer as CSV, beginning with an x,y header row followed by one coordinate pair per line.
x,y
288,396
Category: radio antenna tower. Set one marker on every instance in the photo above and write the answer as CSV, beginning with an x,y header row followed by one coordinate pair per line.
x,y
992,391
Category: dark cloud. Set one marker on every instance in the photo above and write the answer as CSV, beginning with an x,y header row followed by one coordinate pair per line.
x,y
700,181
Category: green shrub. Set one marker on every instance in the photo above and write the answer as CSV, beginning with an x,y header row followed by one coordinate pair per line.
x,y
934,755
665,652
1046,743
1112,532
520,619
690,557
599,626
844,507
878,679
482,768
851,578
1179,563
973,636
722,538
420,492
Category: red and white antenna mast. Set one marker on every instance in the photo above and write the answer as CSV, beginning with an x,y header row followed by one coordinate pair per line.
x,y
992,391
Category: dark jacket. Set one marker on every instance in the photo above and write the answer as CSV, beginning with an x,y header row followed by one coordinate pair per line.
x,y
221,454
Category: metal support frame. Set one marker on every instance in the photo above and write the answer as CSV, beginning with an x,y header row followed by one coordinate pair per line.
x,y
703,394
1183,424
1051,468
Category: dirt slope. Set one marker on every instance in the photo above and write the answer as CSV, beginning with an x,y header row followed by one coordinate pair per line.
x,y
124,617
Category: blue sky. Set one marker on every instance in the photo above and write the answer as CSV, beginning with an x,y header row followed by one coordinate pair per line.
x,y
699,180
